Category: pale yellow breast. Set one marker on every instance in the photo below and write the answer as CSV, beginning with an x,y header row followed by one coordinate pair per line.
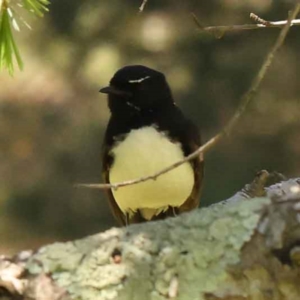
x,y
143,152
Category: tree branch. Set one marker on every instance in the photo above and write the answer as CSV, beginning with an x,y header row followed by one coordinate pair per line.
x,y
245,100
245,249
219,31
141,8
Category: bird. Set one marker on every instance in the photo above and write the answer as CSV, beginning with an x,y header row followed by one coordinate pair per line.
x,y
147,132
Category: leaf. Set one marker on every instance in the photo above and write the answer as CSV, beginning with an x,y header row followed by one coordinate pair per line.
x,y
13,19
8,47
38,7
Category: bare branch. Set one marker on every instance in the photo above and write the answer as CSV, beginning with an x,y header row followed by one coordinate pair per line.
x,y
257,19
219,31
141,8
247,97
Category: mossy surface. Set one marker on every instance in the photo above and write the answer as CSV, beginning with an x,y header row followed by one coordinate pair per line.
x,y
187,256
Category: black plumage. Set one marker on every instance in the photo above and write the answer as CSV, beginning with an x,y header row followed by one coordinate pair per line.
x,y
140,97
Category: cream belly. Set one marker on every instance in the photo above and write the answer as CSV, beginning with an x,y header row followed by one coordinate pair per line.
x,y
144,152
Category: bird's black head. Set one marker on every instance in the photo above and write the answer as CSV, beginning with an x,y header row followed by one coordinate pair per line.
x,y
136,88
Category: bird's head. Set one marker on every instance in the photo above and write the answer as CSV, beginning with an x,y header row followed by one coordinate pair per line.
x,y
137,88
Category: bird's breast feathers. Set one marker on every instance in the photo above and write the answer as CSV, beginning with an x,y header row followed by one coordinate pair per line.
x,y
144,152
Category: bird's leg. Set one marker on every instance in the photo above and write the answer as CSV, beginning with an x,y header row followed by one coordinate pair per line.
x,y
126,219
174,211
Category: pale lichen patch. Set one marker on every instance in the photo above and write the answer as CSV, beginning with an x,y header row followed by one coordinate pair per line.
x,y
195,248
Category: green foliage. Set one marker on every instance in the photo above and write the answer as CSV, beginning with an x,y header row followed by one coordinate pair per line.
x,y
8,19
8,47
38,7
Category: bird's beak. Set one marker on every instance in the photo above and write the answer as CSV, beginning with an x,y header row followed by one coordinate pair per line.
x,y
111,90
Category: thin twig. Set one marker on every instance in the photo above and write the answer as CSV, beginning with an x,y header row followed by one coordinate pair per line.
x,y
141,8
197,22
219,31
248,96
260,20
263,70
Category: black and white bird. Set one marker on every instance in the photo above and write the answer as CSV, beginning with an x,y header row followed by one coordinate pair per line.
x,y
146,133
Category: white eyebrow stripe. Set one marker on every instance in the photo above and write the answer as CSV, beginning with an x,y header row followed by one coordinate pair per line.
x,y
133,106
138,80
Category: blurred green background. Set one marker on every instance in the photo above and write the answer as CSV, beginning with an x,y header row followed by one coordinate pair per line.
x,y
52,118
